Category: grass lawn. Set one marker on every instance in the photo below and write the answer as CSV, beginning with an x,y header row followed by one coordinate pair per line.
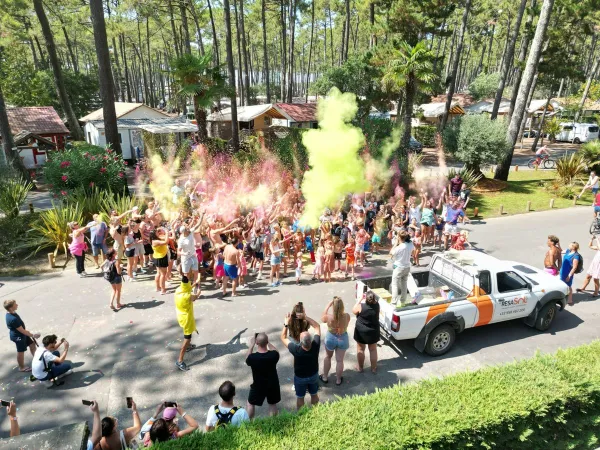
x,y
522,187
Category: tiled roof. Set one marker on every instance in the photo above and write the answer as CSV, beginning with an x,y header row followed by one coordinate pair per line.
x,y
299,112
36,119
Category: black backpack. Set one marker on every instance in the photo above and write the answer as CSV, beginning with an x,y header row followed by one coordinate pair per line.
x,y
224,419
110,271
579,268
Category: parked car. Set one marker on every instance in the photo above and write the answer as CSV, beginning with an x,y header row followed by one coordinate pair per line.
x,y
577,132
415,146
462,290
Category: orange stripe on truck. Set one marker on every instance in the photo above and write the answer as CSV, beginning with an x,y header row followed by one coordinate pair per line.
x,y
485,307
435,310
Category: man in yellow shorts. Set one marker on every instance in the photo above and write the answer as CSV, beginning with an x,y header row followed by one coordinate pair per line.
x,y
184,304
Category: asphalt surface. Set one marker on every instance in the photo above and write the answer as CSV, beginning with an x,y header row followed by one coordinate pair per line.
x,y
133,352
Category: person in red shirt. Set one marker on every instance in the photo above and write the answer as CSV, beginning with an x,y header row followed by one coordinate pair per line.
x,y
597,205
350,259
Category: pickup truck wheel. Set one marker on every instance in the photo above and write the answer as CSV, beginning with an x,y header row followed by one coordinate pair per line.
x,y
545,317
440,340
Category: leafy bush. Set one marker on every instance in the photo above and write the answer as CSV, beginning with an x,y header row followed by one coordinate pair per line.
x,y
552,128
571,168
376,132
13,193
52,230
14,232
413,161
425,134
469,177
120,203
591,152
547,402
475,139
484,86
84,166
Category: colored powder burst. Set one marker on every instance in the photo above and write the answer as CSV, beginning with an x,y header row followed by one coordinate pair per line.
x,y
336,169
161,183
378,173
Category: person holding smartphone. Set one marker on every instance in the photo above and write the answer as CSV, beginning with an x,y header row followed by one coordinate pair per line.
x,y
48,364
96,435
23,338
115,439
166,428
265,381
11,411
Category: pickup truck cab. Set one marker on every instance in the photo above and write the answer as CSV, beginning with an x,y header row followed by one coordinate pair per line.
x,y
465,289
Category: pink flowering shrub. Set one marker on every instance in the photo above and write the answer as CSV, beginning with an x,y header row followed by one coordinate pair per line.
x,y
84,166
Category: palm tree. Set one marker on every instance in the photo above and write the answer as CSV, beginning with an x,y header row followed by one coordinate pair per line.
x,y
410,68
196,77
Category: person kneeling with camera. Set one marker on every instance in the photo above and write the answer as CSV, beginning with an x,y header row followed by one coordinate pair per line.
x,y
48,364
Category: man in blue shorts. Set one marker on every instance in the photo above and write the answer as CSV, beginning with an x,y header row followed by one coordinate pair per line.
x,y
98,232
231,255
306,361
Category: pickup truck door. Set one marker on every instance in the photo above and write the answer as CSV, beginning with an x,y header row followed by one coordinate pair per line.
x,y
512,297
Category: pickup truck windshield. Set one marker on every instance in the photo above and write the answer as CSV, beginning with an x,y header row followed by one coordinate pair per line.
x,y
452,272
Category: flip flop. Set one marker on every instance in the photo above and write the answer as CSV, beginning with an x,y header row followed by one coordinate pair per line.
x,y
324,380
341,382
26,369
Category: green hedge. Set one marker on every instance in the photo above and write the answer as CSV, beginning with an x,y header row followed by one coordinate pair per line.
x,y
425,134
547,402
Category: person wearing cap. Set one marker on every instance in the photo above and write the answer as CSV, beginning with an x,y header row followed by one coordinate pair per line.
x,y
184,304
165,429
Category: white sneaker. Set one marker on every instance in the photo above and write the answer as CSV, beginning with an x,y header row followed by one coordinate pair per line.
x,y
259,277
84,273
81,275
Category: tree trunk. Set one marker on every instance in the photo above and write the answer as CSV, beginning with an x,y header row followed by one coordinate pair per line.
x,y
292,26
119,77
70,50
43,61
245,54
330,33
409,98
586,91
214,33
510,53
198,30
140,51
283,51
235,137
173,29
184,25
12,157
373,41
450,57
105,76
312,30
456,61
348,26
265,53
125,65
522,55
239,54
490,46
150,78
200,115
528,75
75,129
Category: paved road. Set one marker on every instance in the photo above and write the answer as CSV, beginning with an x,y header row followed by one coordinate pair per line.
x,y
132,352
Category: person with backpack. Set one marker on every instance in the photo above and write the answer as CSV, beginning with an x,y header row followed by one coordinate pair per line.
x,y
225,413
572,263
111,270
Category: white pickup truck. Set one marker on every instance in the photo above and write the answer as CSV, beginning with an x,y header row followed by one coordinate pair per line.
x,y
463,290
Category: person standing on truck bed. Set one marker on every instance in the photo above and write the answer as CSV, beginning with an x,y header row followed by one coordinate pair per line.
x,y
552,260
401,263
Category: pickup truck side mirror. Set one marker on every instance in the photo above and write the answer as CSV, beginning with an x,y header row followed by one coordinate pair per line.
x,y
530,287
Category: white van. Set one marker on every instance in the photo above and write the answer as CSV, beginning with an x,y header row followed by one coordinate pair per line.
x,y
577,132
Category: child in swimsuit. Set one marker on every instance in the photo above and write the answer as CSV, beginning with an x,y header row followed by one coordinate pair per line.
x,y
417,250
320,260
219,268
329,261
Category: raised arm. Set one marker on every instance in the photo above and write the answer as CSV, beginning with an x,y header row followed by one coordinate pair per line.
x,y
314,325
251,346
191,422
325,316
131,432
284,331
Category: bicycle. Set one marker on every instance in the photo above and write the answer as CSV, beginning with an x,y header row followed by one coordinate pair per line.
x,y
545,163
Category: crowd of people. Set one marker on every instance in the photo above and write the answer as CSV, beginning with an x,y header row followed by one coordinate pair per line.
x,y
230,250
